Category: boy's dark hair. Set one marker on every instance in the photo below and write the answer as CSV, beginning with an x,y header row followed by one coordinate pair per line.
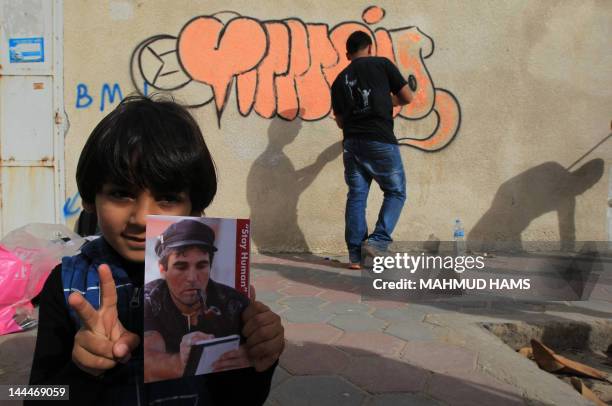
x,y
163,261
151,143
357,41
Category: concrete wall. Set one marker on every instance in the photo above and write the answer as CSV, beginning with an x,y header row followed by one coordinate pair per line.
x,y
509,96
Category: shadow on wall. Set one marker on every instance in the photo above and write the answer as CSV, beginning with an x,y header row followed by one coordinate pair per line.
x,y
274,187
539,190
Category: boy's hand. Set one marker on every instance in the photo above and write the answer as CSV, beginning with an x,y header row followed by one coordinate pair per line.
x,y
264,333
102,340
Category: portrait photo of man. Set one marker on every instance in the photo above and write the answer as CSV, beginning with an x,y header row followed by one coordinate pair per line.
x,y
184,306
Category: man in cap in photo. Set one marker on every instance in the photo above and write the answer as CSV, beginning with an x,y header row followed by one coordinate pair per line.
x,y
186,305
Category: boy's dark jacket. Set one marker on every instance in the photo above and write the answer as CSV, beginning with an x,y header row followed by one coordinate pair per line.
x,y
122,385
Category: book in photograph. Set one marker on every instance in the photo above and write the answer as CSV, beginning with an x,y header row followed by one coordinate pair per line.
x,y
196,288
204,353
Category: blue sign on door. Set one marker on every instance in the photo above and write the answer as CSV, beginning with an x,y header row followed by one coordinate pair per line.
x,y
27,50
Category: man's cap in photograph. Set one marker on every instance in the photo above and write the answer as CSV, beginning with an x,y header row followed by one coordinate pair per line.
x,y
186,232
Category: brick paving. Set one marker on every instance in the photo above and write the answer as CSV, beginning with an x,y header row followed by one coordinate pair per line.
x,y
342,350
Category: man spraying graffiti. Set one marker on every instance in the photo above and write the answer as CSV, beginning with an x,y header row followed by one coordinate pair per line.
x,y
363,96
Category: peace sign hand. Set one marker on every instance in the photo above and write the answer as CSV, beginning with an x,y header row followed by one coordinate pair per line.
x,y
102,340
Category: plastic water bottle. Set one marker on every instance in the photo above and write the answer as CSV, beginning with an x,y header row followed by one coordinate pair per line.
x,y
459,237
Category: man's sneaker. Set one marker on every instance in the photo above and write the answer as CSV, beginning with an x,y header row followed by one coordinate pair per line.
x,y
368,253
368,250
354,266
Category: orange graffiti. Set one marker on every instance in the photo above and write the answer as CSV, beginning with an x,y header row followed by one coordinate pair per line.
x,y
206,39
288,104
246,87
312,89
260,88
384,44
449,119
285,68
373,14
276,63
412,47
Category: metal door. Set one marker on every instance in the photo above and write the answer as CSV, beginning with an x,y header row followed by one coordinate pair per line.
x,y
31,113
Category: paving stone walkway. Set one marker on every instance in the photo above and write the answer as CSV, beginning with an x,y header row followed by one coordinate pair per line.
x,y
342,350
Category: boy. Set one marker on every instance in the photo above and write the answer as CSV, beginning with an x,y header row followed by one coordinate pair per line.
x,y
145,157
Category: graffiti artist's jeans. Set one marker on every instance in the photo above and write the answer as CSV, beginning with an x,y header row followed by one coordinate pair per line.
x,y
365,160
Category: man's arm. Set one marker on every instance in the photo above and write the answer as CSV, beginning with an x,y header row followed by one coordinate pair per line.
x,y
158,364
403,97
401,93
337,101
339,121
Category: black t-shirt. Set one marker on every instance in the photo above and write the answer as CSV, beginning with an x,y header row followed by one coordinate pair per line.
x,y
361,94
